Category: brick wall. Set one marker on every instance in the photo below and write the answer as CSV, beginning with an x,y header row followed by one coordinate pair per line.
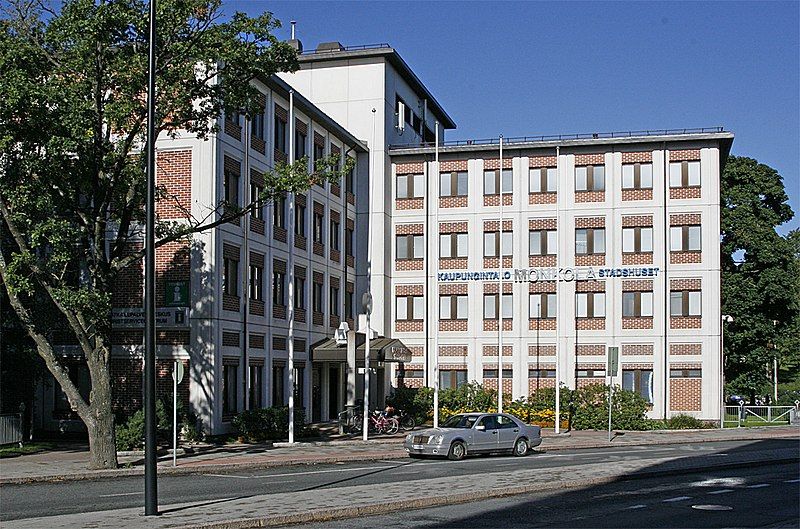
x,y
637,157
126,383
637,349
173,263
637,194
129,286
685,349
174,179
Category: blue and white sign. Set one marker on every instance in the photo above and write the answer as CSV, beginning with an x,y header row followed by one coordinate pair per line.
x,y
535,275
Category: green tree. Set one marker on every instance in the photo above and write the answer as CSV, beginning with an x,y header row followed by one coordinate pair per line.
x,y
760,287
72,183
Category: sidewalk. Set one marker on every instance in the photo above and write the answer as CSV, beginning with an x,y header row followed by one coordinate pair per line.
x,y
70,461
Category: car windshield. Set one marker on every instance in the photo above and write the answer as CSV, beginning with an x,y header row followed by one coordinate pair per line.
x,y
459,421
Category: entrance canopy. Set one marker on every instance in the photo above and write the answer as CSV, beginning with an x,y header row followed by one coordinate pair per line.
x,y
380,350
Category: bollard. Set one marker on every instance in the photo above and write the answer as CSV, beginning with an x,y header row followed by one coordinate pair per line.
x,y
741,413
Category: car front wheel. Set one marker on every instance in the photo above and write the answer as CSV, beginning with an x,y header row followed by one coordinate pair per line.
x,y
521,447
457,451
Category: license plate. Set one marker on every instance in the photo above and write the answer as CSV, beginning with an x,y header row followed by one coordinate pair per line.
x,y
417,447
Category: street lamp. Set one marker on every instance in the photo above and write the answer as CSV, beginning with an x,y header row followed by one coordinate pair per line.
x,y
725,319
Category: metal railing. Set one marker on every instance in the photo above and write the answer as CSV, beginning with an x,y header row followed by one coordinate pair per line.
x,y
758,415
382,45
565,137
10,429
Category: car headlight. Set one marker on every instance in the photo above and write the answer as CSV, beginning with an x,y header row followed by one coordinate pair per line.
x,y
436,440
408,438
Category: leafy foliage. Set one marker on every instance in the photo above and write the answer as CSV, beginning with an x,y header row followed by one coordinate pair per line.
x,y
130,434
269,424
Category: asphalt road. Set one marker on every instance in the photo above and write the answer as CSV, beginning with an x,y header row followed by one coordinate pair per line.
x,y
49,499
747,497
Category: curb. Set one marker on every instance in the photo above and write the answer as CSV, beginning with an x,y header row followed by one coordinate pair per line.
x,y
340,513
227,467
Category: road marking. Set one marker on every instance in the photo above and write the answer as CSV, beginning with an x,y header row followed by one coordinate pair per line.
x,y
712,507
792,481
758,486
357,469
729,482
677,498
120,494
721,491
228,476
639,506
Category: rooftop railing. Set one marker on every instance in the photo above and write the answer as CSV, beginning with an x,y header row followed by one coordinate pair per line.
x,y
565,137
382,45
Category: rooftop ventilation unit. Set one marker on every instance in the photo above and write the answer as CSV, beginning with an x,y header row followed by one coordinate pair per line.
x,y
330,46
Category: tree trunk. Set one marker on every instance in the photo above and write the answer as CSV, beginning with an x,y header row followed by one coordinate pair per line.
x,y
100,424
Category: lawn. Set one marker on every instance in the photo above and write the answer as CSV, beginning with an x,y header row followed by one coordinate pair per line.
x,y
29,448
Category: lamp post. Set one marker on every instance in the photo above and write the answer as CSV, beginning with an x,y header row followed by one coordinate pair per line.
x,y
725,319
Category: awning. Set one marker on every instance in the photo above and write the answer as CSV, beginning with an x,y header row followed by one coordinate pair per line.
x,y
380,350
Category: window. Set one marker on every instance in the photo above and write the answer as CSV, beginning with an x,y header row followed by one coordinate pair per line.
x,y
591,373
319,223
233,117
334,235
317,297
637,304
279,212
684,238
231,188
685,373
410,247
685,303
491,182
300,219
542,242
256,386
639,381
256,282
543,180
684,174
299,144
491,243
334,301
542,305
637,176
541,373
410,186
258,204
637,240
348,242
229,376
590,241
590,178
453,184
492,373
277,385
590,305
257,124
452,378
410,308
230,276
299,292
453,245
455,307
319,154
349,181
413,373
490,306
280,134
278,289
348,304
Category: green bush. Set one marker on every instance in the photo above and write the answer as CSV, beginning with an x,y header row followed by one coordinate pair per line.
x,y
685,422
468,397
269,424
130,434
590,409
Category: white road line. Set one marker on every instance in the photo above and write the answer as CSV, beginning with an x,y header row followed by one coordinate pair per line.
x,y
758,486
792,481
721,491
638,506
319,472
121,494
678,498
233,476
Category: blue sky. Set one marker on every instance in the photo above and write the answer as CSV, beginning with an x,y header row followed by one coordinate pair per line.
x,y
526,68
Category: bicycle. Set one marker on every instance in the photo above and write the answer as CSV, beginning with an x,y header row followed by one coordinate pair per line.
x,y
405,419
379,423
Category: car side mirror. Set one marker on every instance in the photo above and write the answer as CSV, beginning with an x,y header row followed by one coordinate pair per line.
x,y
481,428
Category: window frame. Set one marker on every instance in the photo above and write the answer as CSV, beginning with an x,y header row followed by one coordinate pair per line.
x,y
636,176
278,288
685,303
299,219
318,297
638,383
685,238
410,247
507,173
335,227
544,242
410,302
319,227
591,178
256,283
639,300
230,276
591,304
454,307
454,180
591,239
507,235
637,239
547,304
281,131
544,180
412,181
685,174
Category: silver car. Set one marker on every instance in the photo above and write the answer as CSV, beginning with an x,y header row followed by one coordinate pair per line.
x,y
472,433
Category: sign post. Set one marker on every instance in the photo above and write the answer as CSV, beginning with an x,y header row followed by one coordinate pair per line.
x,y
613,366
177,376
366,302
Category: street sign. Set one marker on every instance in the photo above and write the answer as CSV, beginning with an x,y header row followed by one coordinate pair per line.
x,y
366,302
340,335
166,317
178,372
176,293
613,361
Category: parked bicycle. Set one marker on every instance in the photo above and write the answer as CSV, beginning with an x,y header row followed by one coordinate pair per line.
x,y
405,419
379,422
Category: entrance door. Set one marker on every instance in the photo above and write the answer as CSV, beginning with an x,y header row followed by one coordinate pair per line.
x,y
316,394
334,406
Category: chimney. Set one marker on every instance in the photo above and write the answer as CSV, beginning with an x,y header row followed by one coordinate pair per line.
x,y
293,42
